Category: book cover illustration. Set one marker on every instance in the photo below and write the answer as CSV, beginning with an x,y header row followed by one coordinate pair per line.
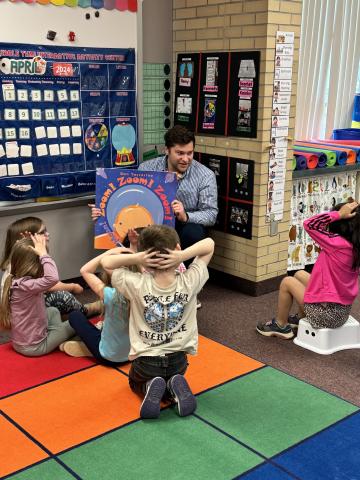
x,y
131,199
210,112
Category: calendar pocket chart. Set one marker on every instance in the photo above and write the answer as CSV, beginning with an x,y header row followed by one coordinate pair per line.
x,y
64,111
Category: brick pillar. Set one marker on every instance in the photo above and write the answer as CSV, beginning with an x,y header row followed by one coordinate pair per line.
x,y
255,265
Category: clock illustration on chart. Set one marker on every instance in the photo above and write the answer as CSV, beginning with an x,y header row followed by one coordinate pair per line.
x,y
123,139
96,136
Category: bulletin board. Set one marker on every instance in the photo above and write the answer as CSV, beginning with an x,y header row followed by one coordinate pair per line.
x,y
311,196
186,94
235,183
217,93
64,111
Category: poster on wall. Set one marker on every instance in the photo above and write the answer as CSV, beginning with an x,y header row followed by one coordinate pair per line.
x,y
235,182
186,90
243,94
241,179
284,50
239,219
131,199
311,196
64,111
213,93
219,165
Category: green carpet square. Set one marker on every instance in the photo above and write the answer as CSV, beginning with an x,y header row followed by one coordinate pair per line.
x,y
270,411
169,447
49,470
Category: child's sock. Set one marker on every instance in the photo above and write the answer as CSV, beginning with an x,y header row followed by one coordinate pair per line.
x,y
282,327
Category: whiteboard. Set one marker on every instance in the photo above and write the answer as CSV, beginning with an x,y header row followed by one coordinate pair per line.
x,y
29,23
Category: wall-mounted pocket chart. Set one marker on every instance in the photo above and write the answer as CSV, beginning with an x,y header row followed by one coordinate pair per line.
x,y
235,182
64,111
157,102
217,93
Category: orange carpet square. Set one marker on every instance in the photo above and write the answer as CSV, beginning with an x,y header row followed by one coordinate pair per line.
x,y
214,364
76,408
16,450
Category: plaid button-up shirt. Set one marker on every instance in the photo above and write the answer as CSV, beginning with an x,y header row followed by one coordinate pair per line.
x,y
197,190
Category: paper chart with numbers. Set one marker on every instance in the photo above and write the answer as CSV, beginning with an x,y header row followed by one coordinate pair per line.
x,y
284,52
64,111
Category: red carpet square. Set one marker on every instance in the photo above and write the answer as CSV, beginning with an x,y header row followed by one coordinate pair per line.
x,y
18,372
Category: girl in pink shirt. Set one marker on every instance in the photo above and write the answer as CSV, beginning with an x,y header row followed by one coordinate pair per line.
x,y
61,295
35,329
325,297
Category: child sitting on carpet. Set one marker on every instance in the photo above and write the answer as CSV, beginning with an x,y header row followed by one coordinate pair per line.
x,y
325,297
35,329
60,295
111,345
162,326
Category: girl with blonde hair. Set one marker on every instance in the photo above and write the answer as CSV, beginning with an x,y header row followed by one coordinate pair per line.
x,y
61,295
35,329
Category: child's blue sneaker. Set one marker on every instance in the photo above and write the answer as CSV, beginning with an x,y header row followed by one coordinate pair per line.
x,y
272,329
184,398
155,389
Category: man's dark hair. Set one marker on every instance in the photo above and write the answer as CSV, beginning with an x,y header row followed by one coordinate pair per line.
x,y
159,238
178,135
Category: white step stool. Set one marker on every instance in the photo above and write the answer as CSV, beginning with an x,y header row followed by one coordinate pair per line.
x,y
328,340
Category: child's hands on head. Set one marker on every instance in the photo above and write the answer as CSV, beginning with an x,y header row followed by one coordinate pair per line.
x,y
119,250
25,234
148,259
172,259
346,211
39,244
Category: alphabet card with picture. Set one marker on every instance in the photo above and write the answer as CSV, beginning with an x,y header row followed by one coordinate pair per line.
x,y
131,199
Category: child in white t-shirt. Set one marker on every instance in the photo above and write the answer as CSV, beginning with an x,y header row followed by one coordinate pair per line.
x,y
162,326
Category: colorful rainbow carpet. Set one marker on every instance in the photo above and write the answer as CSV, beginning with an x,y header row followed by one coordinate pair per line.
x,y
63,418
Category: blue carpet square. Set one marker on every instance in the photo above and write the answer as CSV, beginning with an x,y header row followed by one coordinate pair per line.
x,y
329,455
266,471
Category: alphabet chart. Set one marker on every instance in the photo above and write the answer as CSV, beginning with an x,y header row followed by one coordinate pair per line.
x,y
64,111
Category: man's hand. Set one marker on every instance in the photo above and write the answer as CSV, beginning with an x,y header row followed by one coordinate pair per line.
x,y
39,244
346,211
95,212
179,211
172,259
